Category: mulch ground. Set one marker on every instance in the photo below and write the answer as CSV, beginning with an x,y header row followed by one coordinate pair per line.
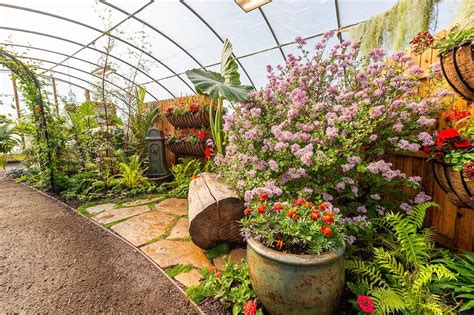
x,y
54,260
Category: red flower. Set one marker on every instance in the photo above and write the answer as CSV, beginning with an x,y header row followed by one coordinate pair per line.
x,y
462,144
169,110
194,108
326,230
448,134
315,215
202,135
298,202
263,197
328,217
291,213
247,211
261,209
218,274
207,153
366,304
457,114
323,206
278,207
211,269
296,217
250,307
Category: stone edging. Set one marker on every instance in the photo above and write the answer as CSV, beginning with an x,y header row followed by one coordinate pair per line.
x,y
136,249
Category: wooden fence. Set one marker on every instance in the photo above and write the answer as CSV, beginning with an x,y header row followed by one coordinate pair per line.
x,y
454,225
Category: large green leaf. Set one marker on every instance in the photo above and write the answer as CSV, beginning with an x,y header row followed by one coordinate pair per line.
x,y
229,67
214,85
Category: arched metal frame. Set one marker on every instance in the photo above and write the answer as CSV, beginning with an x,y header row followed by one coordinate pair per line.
x,y
174,74
32,77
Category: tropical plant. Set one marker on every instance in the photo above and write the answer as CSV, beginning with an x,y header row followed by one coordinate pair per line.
x,y
183,173
7,132
140,121
456,37
220,86
400,275
462,286
131,174
231,286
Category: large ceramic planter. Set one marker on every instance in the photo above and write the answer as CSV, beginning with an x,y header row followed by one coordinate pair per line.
x,y
296,284
459,190
457,65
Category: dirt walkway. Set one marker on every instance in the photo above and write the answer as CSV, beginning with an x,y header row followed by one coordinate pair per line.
x,y
53,260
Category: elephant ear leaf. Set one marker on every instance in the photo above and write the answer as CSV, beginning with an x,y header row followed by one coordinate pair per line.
x,y
214,85
229,67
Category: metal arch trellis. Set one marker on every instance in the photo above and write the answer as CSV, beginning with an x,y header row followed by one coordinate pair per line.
x,y
75,58
91,48
24,73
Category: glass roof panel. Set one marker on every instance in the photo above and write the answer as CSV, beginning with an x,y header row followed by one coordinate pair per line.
x,y
256,65
304,18
247,31
157,91
192,34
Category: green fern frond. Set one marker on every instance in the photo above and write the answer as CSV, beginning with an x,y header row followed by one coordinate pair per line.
x,y
367,271
417,214
388,300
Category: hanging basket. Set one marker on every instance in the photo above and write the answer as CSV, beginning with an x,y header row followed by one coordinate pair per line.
x,y
457,65
460,191
189,120
186,148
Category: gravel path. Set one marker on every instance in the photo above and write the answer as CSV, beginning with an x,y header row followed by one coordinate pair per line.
x,y
53,260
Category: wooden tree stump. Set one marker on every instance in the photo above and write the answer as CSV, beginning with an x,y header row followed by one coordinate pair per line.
x,y
214,211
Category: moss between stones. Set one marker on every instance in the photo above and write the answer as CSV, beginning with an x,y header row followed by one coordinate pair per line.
x,y
218,251
176,270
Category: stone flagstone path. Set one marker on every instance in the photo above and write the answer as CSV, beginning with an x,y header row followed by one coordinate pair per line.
x,y
159,228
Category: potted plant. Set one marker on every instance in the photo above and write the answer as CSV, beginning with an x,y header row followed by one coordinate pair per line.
x,y
453,156
192,143
456,54
294,251
323,128
191,114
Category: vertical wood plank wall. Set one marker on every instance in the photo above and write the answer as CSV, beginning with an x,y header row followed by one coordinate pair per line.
x,y
453,224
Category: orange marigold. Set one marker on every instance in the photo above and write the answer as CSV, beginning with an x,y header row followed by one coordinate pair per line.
x,y
261,209
326,230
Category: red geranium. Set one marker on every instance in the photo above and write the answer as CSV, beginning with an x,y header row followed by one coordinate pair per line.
x,y
463,144
448,134
207,153
456,115
194,108
366,304
202,135
250,307
169,110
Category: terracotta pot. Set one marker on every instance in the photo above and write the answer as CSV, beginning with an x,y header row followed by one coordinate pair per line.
x,y
186,148
459,190
189,120
457,65
296,284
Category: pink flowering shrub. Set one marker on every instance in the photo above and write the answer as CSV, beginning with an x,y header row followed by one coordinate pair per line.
x,y
324,126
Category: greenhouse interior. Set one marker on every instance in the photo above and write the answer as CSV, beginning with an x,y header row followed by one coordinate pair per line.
x,y
237,156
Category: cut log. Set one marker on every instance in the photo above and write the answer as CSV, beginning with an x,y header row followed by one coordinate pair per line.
x,y
214,211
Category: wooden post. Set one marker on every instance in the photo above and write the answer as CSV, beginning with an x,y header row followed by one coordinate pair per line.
x,y
17,105
55,95
87,95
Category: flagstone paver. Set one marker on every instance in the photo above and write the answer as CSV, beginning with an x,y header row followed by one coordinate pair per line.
x,y
140,202
113,215
99,208
236,255
144,227
190,278
173,206
168,253
180,230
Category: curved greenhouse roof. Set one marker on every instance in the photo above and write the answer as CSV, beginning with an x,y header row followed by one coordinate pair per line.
x,y
152,43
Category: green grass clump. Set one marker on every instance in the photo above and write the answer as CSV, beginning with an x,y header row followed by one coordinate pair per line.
x,y
176,270
218,251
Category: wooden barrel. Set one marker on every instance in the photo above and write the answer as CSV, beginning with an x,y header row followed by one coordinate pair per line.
x,y
458,69
459,190
214,211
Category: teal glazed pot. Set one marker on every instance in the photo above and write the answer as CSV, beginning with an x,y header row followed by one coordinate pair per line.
x,y
296,284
